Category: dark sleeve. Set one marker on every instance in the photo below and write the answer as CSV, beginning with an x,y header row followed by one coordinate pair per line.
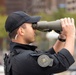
x,y
61,62
51,50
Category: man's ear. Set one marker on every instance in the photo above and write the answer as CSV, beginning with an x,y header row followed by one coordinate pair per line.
x,y
21,31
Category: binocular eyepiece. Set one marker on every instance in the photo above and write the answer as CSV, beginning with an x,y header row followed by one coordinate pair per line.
x,y
48,26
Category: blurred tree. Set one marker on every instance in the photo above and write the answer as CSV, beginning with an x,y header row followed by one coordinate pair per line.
x,y
59,14
45,17
3,34
2,23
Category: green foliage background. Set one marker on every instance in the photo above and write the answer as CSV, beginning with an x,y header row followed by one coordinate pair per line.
x,y
2,23
61,13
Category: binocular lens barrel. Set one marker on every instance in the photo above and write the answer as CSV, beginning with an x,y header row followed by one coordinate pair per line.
x,y
48,26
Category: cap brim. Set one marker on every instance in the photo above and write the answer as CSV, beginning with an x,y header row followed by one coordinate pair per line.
x,y
34,19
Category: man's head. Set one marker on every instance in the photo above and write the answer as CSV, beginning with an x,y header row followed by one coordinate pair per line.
x,y
19,26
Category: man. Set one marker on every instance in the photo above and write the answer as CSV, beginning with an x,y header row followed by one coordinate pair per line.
x,y
25,59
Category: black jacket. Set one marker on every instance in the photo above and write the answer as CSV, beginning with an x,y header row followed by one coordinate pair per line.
x,y
25,62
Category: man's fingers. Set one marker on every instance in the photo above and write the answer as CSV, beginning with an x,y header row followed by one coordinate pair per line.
x,y
66,21
72,19
69,21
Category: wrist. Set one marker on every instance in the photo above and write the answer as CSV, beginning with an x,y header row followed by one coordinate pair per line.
x,y
61,39
62,36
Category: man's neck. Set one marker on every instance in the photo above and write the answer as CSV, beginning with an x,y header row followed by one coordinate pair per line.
x,y
19,41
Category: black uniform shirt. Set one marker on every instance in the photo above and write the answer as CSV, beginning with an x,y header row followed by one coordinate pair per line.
x,y
25,62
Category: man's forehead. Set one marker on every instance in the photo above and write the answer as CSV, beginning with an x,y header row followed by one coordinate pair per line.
x,y
26,24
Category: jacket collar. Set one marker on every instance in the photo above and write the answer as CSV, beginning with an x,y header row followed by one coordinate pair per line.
x,y
14,45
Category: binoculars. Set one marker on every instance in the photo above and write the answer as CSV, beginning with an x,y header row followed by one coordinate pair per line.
x,y
48,26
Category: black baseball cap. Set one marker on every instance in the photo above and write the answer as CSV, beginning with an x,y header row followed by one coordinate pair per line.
x,y
16,19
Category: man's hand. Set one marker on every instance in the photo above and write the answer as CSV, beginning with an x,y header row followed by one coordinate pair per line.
x,y
68,28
